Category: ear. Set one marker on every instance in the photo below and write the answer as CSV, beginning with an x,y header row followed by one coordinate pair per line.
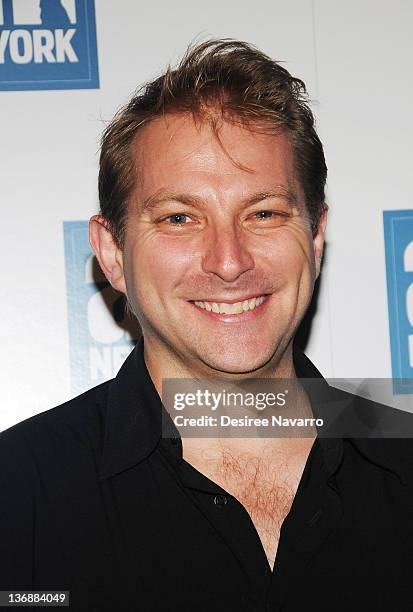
x,y
107,251
318,240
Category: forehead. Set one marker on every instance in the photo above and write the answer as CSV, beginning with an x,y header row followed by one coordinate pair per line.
x,y
175,152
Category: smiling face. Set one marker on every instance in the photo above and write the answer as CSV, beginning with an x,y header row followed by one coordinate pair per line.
x,y
219,261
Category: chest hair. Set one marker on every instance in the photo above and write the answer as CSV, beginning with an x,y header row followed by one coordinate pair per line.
x,y
265,486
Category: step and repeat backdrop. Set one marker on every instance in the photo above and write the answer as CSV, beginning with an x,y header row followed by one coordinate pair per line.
x,y
66,66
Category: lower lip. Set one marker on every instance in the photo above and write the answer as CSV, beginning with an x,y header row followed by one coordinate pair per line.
x,y
248,315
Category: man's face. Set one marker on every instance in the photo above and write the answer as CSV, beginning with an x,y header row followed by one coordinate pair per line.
x,y
206,234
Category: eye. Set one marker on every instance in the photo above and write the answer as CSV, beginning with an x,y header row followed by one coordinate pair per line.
x,y
273,216
269,214
264,214
176,219
179,223
267,219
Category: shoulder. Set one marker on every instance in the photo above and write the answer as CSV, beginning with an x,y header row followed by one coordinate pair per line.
x,y
47,467
381,434
49,435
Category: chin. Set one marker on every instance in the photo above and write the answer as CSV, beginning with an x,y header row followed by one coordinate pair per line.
x,y
236,364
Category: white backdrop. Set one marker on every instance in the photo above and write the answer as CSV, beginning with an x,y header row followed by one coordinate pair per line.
x,y
355,58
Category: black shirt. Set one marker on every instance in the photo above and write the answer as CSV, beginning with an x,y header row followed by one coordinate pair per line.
x,y
97,502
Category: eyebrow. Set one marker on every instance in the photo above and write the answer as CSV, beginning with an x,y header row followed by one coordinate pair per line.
x,y
153,201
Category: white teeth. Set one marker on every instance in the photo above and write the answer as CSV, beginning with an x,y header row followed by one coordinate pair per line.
x,y
237,308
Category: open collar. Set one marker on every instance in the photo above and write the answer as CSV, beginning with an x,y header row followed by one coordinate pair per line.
x,y
135,416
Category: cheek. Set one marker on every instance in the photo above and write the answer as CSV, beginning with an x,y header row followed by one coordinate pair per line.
x,y
156,266
290,255
299,249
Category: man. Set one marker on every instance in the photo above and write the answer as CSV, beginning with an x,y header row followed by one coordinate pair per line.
x,y
212,224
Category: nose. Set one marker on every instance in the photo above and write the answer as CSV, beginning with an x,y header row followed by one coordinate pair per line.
x,y
226,253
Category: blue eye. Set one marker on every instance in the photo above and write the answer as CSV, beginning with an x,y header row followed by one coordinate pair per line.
x,y
264,214
177,219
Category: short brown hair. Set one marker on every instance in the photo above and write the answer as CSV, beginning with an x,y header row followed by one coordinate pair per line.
x,y
245,85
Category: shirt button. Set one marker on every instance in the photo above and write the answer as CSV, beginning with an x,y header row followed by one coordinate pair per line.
x,y
220,500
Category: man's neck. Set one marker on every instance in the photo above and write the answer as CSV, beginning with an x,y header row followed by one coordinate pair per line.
x,y
207,454
162,362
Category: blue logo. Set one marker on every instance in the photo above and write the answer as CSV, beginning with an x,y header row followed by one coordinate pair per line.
x,y
48,44
99,333
398,236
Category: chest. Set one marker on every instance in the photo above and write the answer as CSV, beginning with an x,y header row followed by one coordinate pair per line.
x,y
266,490
267,505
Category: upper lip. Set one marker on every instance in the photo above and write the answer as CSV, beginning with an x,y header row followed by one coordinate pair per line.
x,y
230,300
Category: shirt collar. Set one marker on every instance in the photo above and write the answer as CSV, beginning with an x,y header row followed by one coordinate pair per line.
x,y
134,418
384,452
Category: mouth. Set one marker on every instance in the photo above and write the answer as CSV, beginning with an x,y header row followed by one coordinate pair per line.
x,y
230,311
